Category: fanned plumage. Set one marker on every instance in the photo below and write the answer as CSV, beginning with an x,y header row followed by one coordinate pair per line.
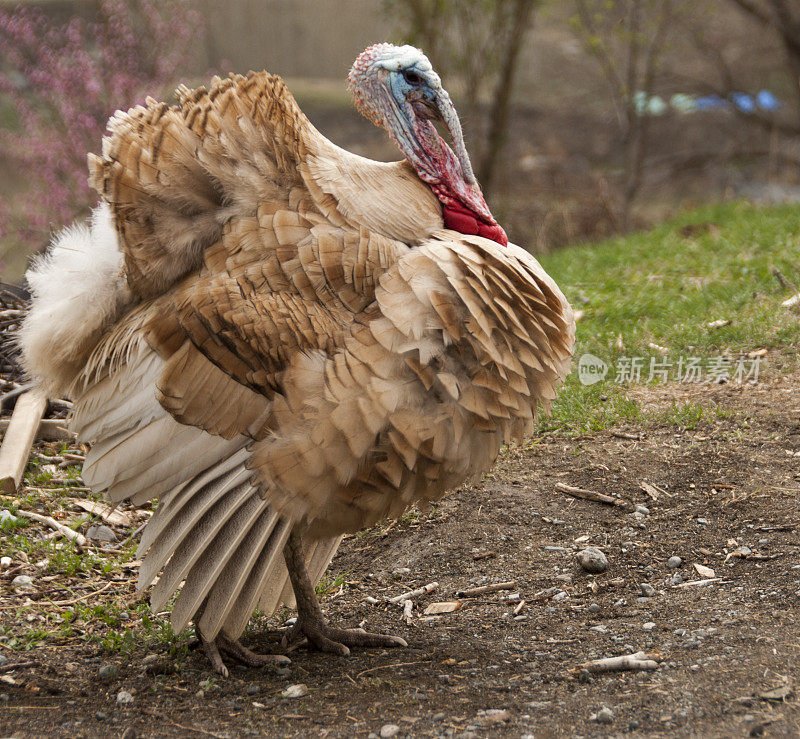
x,y
298,344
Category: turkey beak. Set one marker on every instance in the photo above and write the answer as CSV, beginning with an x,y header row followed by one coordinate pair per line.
x,y
447,114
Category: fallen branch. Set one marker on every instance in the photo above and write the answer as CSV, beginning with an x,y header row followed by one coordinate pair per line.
x,y
78,538
637,661
430,587
483,589
693,583
593,496
19,437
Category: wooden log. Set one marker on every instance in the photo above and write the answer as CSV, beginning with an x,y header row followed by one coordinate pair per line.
x,y
50,429
19,437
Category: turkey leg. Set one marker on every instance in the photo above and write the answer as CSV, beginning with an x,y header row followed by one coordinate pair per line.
x,y
311,623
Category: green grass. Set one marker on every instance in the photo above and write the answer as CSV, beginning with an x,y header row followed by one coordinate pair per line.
x,y
664,287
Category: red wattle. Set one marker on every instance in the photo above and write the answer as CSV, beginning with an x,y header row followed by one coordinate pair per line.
x,y
458,218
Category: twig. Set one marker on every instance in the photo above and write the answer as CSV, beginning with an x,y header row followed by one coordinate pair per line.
x,y
592,495
83,597
784,283
693,583
19,437
79,539
431,586
384,667
519,607
17,666
637,661
626,435
408,605
483,589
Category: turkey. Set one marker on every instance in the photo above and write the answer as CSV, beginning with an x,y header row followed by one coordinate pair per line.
x,y
283,342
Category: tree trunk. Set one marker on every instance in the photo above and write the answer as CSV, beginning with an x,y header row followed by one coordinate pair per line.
x,y
522,19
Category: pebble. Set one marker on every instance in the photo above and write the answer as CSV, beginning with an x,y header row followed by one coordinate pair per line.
x,y
24,582
124,697
649,626
108,672
253,689
100,716
600,628
4,698
439,716
560,595
674,562
648,591
493,716
6,517
605,716
702,521
101,533
642,509
594,608
5,562
675,579
592,560
296,691
389,730
400,571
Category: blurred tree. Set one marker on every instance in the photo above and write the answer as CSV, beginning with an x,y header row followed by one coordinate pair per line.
x,y
628,39
479,42
782,17
59,83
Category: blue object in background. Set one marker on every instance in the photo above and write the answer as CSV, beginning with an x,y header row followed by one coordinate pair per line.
x,y
744,102
767,101
710,102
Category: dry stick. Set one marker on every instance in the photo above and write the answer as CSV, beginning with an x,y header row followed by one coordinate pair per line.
x,y
414,593
385,667
785,284
407,606
638,661
19,437
83,597
17,666
483,589
519,607
592,495
79,539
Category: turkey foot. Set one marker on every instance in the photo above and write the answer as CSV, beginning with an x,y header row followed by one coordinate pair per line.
x,y
311,624
214,648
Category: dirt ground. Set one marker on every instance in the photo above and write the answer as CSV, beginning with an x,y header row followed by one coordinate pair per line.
x,y
726,497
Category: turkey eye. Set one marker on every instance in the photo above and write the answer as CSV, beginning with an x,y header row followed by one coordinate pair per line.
x,y
412,78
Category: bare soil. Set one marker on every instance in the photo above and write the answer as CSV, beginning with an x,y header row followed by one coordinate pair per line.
x,y
721,486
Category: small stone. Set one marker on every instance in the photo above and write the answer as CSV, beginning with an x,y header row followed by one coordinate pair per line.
x,y
560,595
400,572
283,672
23,582
108,672
389,730
101,533
600,628
649,626
605,716
295,691
100,716
643,510
702,521
3,659
675,579
4,698
253,689
493,716
438,716
648,591
6,517
5,562
592,560
150,659
674,562
124,697
594,608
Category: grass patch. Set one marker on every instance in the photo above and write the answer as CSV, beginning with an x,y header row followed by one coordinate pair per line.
x,y
664,287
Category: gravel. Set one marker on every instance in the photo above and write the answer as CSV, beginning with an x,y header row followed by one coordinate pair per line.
x,y
295,691
674,562
124,697
108,672
101,533
605,716
592,560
